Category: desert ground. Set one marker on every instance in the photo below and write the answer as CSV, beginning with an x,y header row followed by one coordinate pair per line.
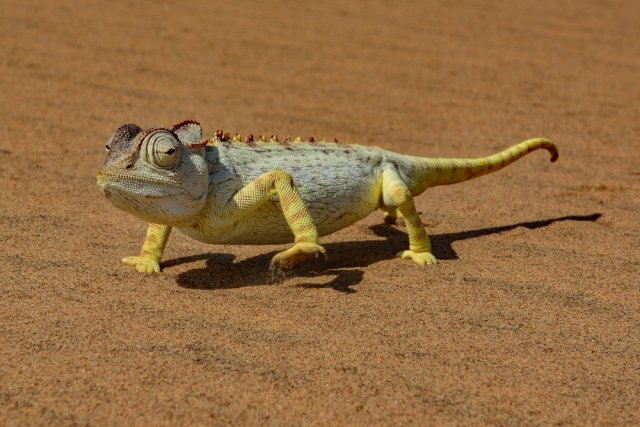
x,y
531,316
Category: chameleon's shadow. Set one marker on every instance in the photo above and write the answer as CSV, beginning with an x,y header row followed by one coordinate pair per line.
x,y
221,272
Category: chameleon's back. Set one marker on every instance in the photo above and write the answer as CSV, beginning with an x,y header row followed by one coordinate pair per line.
x,y
339,183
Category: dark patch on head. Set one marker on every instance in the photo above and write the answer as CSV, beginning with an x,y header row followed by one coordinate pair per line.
x,y
123,137
121,145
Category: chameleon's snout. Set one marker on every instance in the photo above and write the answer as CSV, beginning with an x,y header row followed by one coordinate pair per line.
x,y
102,180
102,184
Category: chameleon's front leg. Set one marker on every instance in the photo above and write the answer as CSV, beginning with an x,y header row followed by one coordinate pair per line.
x,y
396,194
294,209
152,249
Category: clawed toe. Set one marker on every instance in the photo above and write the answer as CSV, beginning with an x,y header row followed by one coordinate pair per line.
x,y
300,252
420,258
143,264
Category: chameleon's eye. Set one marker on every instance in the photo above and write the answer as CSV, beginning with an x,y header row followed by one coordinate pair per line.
x,y
162,150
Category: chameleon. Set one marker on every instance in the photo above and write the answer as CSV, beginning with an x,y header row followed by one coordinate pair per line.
x,y
230,190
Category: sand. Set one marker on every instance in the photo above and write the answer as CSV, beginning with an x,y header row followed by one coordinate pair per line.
x,y
532,315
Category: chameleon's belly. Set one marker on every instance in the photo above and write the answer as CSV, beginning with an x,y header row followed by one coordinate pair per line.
x,y
338,190
267,224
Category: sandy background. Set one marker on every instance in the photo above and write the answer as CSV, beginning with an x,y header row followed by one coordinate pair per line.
x,y
531,317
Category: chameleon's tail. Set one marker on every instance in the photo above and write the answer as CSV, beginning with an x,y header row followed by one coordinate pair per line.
x,y
450,171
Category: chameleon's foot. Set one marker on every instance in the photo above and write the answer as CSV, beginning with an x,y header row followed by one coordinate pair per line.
x,y
389,219
295,255
144,264
420,258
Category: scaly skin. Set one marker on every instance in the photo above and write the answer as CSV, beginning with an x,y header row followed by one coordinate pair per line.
x,y
149,259
225,190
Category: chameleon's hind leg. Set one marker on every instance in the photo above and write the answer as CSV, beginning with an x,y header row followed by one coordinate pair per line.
x,y
280,183
396,194
149,259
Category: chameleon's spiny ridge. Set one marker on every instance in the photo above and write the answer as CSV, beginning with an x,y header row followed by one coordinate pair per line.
x,y
266,190
225,137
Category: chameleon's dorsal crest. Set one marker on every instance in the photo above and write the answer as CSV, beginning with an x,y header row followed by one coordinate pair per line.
x,y
188,132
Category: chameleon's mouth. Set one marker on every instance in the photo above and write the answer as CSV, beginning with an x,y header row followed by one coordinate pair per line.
x,y
106,178
130,190
149,198
142,206
126,182
102,182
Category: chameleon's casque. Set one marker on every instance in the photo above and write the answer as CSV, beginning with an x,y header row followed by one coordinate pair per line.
x,y
226,190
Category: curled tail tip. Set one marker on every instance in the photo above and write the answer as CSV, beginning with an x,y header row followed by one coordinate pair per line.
x,y
553,149
548,145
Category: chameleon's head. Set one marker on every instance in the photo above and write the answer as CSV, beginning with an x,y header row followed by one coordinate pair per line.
x,y
159,175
